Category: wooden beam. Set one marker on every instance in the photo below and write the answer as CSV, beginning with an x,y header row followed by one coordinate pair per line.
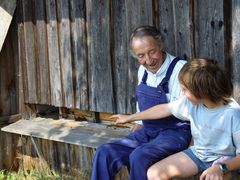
x,y
7,9
10,119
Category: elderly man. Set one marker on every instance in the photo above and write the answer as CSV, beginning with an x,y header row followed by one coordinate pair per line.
x,y
158,83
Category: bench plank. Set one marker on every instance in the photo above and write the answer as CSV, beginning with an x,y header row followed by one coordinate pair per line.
x,y
68,131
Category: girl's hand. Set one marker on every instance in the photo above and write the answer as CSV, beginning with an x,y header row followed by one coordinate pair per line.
x,y
212,173
121,118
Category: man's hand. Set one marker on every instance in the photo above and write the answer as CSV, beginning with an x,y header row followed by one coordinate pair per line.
x,y
121,118
212,173
136,127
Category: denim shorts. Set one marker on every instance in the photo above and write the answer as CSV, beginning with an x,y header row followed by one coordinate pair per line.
x,y
200,164
204,165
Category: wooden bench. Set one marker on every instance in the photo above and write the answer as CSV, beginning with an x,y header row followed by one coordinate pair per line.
x,y
66,146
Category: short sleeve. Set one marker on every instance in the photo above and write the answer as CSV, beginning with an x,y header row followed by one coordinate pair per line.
x,y
236,129
236,140
180,108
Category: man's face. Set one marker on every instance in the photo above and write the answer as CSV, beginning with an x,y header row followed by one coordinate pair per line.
x,y
148,53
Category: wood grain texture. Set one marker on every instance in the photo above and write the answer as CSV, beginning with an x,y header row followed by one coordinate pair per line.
x,y
53,53
43,78
99,58
209,30
79,53
139,13
236,49
75,54
65,53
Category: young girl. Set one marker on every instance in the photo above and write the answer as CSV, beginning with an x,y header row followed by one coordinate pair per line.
x,y
215,124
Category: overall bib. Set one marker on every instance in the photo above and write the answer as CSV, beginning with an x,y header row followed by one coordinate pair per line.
x,y
141,149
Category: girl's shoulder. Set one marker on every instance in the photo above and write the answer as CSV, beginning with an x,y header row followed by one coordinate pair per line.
x,y
232,109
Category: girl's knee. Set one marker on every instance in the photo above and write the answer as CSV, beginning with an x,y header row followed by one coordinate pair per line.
x,y
156,173
152,173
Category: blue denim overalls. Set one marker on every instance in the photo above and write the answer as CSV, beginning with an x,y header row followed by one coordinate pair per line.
x,y
141,149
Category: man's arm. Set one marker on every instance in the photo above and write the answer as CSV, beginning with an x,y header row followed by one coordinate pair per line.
x,y
155,112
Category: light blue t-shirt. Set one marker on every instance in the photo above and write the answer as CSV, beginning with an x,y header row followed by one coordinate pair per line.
x,y
216,131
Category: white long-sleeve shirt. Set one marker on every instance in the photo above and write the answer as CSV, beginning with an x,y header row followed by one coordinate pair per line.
x,y
154,80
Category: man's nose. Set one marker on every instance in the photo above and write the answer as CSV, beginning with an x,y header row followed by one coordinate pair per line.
x,y
148,59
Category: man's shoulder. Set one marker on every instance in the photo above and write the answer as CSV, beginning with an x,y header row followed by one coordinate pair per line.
x,y
180,62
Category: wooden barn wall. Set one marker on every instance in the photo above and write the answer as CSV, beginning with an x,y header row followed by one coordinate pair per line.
x,y
75,54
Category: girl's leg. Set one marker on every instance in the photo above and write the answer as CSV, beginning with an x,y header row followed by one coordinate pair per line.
x,y
176,165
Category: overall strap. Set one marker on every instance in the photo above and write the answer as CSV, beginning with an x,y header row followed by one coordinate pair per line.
x,y
144,78
164,82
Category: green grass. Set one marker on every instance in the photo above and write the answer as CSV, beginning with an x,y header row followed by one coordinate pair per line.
x,y
30,174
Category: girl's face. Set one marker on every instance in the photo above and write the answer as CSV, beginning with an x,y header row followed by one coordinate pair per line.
x,y
189,95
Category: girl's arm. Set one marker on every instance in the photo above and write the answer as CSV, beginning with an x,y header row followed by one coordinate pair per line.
x,y
155,112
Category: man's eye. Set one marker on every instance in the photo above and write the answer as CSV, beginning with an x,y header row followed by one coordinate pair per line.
x,y
152,52
140,56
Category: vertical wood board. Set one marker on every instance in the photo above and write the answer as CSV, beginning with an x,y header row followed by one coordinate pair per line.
x,y
53,53
209,30
99,59
120,59
65,53
29,41
79,54
42,53
236,48
139,13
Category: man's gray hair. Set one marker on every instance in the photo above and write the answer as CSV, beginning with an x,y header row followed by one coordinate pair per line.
x,y
147,31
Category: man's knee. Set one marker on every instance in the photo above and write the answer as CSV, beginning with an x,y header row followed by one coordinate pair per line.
x,y
135,157
103,150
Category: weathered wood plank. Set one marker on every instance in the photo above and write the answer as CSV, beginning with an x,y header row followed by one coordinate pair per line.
x,y
53,53
236,49
209,29
9,119
65,53
119,58
138,12
177,29
22,54
79,53
7,9
72,132
29,38
167,28
99,58
8,79
183,29
41,53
